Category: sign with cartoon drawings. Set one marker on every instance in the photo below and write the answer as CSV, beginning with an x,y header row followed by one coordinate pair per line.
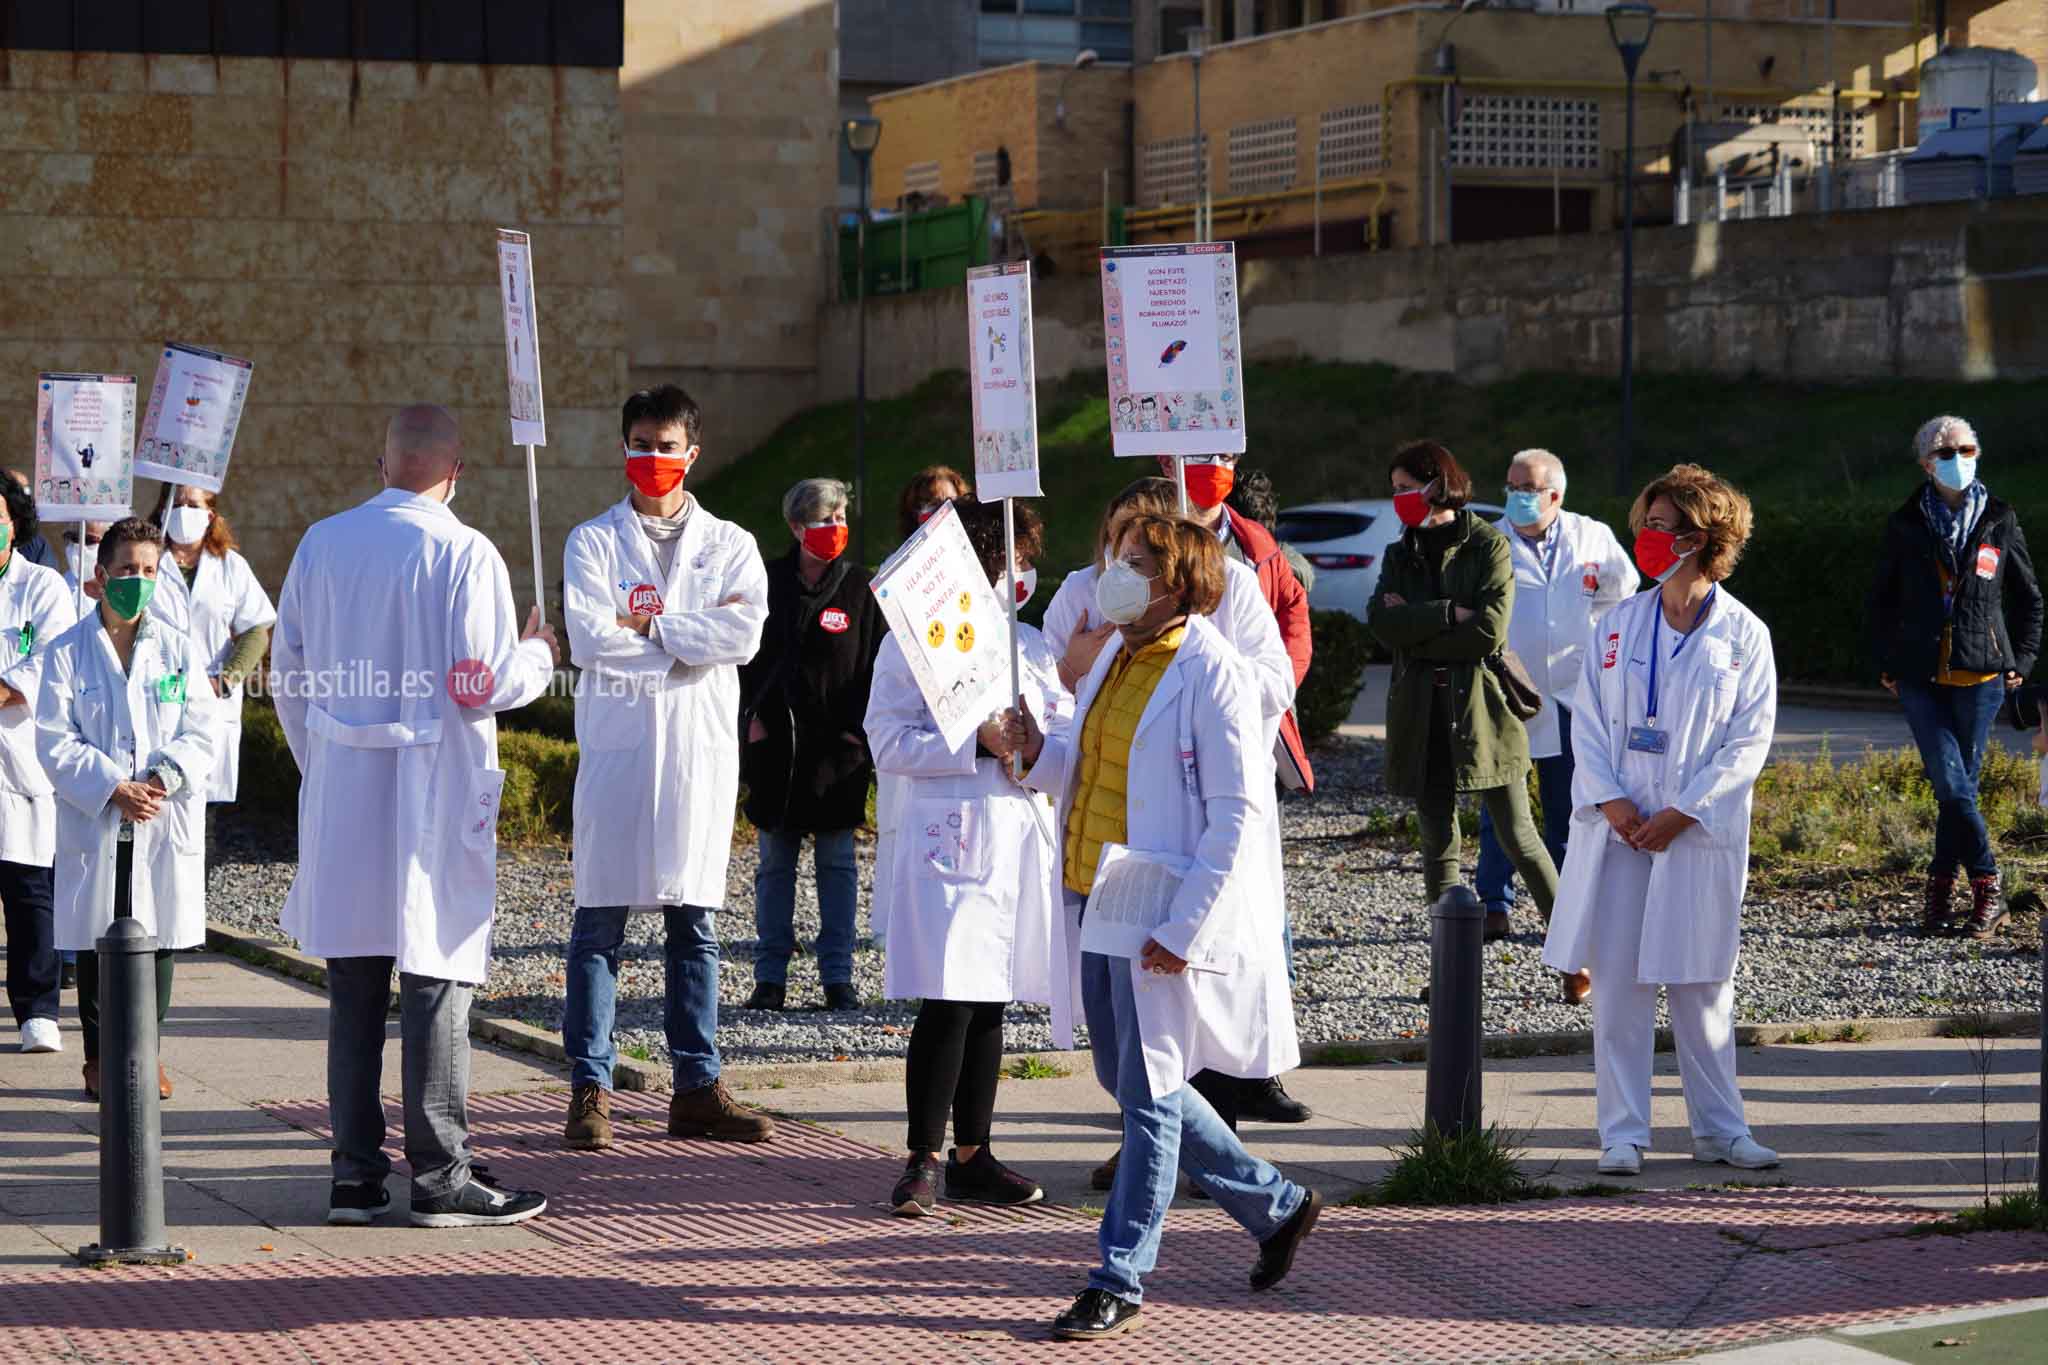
x,y
85,446
522,338
1169,323
1000,373
939,605
195,407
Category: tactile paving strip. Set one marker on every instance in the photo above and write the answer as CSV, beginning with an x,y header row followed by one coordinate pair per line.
x,y
673,1250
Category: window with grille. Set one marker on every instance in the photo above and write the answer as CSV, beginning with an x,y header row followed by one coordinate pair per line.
x,y
1262,156
1348,141
922,177
1855,125
1526,132
1166,171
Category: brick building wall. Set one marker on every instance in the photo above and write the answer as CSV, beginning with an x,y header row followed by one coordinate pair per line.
x,y
331,221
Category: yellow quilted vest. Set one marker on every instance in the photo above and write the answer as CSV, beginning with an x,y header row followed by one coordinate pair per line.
x,y
1097,815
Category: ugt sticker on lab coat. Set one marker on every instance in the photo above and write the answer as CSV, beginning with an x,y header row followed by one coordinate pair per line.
x,y
195,407
999,372
522,338
1169,322
85,446
953,629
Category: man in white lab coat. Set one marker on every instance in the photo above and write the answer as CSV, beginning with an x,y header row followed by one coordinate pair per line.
x,y
1569,571
396,646
663,602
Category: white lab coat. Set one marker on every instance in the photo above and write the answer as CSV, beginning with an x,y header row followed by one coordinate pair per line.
x,y
97,727
1554,615
1198,785
966,904
657,716
1718,703
390,611
225,601
34,605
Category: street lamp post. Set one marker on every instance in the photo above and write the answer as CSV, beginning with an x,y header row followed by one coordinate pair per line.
x,y
1198,42
1083,59
1629,25
861,136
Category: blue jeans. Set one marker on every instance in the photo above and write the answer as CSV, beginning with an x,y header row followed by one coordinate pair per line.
x,y
1950,725
1161,1138
1554,786
775,904
689,1012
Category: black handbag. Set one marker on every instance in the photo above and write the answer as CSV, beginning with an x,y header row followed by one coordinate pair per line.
x,y
1524,701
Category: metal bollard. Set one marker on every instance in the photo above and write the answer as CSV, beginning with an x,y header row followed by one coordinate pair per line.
x,y
1456,928
131,1120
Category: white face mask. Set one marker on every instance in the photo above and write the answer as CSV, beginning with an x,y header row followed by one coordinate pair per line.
x,y
449,501
1027,584
76,555
188,525
1122,594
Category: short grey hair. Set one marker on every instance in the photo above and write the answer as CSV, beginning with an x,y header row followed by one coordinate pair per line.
x,y
1552,468
813,500
1930,434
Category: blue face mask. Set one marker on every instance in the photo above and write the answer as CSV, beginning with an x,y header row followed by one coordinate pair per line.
x,y
1956,471
1524,509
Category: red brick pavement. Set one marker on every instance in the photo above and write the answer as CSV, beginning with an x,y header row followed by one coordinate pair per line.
x,y
668,1250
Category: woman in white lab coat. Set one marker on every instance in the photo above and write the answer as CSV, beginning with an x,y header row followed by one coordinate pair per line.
x,y
1672,724
1166,755
967,899
125,729
231,615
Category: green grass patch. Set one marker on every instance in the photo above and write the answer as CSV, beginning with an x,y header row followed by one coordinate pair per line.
x,y
1846,1033
639,1052
1035,1069
2013,1211
1477,1166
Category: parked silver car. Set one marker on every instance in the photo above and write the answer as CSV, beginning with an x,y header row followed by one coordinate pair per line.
x,y
1345,541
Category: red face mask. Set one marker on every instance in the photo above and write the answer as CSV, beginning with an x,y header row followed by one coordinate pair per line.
x,y
1412,507
826,542
1209,484
655,475
1657,551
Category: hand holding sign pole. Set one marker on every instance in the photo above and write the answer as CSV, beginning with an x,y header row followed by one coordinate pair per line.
x,y
1001,370
522,378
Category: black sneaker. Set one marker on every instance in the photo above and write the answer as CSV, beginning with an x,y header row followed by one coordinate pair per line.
x,y
984,1180
768,995
354,1205
478,1205
1267,1101
1096,1314
917,1193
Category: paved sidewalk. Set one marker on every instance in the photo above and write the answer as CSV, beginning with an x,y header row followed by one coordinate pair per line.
x,y
663,1249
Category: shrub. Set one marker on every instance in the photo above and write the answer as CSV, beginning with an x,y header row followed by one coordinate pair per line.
x,y
1478,1166
1336,673
553,715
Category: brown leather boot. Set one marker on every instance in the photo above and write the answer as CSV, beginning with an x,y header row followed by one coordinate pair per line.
x,y
163,1082
589,1128
1575,988
1987,907
711,1112
1937,915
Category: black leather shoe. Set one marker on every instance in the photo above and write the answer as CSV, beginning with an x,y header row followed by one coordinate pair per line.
x,y
1498,927
1267,1101
768,995
1276,1253
1095,1315
841,995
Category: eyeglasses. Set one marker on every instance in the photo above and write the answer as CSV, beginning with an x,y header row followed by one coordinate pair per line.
x,y
1947,452
1526,488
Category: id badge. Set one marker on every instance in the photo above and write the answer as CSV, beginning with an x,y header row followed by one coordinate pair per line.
x,y
28,638
1646,739
171,688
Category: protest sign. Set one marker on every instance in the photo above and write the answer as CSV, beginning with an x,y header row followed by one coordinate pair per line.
x,y
1170,330
85,446
1000,370
522,338
195,407
938,603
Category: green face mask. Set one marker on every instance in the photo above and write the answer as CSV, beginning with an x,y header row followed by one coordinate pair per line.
x,y
6,537
128,596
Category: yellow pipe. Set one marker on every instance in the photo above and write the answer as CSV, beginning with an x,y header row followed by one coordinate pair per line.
x,y
1146,217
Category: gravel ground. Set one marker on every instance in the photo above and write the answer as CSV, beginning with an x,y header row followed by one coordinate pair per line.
x,y
1361,949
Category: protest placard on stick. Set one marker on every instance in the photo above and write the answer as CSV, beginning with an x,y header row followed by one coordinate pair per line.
x,y
195,408
522,376
85,446
1169,314
939,605
1000,370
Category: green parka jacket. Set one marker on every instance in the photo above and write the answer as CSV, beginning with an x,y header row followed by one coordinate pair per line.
x,y
1489,746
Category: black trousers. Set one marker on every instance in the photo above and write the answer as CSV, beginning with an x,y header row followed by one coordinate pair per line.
x,y
956,1053
89,962
28,895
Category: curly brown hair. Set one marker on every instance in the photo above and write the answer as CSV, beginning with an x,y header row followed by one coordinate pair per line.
x,y
1190,557
1709,506
983,522
922,489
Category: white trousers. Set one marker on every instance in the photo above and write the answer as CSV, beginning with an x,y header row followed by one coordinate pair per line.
x,y
1625,1021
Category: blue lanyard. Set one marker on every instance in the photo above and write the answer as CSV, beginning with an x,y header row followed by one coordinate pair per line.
x,y
1656,626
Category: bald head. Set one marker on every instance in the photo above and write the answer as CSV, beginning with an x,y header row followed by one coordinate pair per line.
x,y
422,448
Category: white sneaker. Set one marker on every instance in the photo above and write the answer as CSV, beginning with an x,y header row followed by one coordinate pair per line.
x,y
1624,1158
41,1035
1743,1153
